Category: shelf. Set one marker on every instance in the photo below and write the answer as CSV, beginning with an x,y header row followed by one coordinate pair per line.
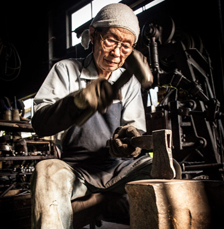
x,y
20,126
20,158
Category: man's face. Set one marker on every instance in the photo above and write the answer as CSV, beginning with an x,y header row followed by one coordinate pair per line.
x,y
110,59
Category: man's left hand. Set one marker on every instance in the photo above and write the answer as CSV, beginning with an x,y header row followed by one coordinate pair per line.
x,y
119,144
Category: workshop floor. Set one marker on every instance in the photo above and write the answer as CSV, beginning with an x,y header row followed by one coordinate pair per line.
x,y
108,225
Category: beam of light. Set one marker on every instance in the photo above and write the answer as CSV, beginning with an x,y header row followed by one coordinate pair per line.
x,y
147,6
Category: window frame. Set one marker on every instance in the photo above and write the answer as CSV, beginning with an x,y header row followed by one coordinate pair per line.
x,y
69,12
134,4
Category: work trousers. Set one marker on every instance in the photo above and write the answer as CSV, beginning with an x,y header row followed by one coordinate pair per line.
x,y
54,185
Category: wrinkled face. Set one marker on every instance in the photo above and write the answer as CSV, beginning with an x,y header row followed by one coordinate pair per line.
x,y
111,48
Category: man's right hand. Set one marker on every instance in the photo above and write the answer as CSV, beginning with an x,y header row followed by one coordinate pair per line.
x,y
137,64
97,96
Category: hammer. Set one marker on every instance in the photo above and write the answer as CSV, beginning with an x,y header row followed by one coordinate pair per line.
x,y
136,63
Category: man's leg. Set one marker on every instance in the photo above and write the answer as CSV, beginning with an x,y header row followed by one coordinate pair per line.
x,y
53,186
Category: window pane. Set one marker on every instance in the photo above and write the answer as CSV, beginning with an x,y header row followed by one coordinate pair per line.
x,y
75,39
79,18
99,4
153,3
138,11
84,14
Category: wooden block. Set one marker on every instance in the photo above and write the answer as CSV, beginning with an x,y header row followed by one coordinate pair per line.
x,y
179,204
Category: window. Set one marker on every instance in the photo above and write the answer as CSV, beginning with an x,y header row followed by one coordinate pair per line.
x,y
99,4
86,13
147,6
79,18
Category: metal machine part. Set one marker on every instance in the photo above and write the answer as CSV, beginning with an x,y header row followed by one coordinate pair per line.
x,y
18,157
187,105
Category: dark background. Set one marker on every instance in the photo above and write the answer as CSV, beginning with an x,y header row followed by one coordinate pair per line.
x,y
26,25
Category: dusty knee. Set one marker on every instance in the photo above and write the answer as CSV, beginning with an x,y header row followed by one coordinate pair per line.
x,y
53,168
41,170
44,164
53,174
51,164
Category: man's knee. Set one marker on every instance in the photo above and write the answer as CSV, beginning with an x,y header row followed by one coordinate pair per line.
x,y
52,170
45,164
51,166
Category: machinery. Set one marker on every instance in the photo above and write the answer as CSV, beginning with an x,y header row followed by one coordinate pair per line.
x,y
187,102
19,154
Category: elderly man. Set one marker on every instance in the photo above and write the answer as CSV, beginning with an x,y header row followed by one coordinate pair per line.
x,y
74,88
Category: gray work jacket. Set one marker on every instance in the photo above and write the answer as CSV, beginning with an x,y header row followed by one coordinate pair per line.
x,y
84,148
70,75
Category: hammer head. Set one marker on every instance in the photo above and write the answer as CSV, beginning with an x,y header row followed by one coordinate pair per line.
x,y
137,64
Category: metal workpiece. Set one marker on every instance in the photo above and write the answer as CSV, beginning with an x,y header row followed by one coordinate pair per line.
x,y
162,165
144,142
160,143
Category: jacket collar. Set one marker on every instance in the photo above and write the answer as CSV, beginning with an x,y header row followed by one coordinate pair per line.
x,y
89,71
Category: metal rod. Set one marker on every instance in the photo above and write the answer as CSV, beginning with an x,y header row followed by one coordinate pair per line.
x,y
204,166
9,188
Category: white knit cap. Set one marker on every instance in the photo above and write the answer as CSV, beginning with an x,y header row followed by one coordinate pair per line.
x,y
116,15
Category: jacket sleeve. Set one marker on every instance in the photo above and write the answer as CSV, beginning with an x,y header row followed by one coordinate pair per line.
x,y
133,108
54,109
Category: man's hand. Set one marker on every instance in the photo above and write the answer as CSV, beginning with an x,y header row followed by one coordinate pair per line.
x,y
137,64
119,144
97,96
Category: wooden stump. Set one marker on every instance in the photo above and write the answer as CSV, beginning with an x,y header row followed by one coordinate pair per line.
x,y
178,204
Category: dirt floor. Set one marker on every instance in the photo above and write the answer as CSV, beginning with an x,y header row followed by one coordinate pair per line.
x,y
108,225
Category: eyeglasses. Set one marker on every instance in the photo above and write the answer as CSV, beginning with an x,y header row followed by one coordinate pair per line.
x,y
110,44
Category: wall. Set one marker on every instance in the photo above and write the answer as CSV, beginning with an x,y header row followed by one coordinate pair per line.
x,y
25,26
